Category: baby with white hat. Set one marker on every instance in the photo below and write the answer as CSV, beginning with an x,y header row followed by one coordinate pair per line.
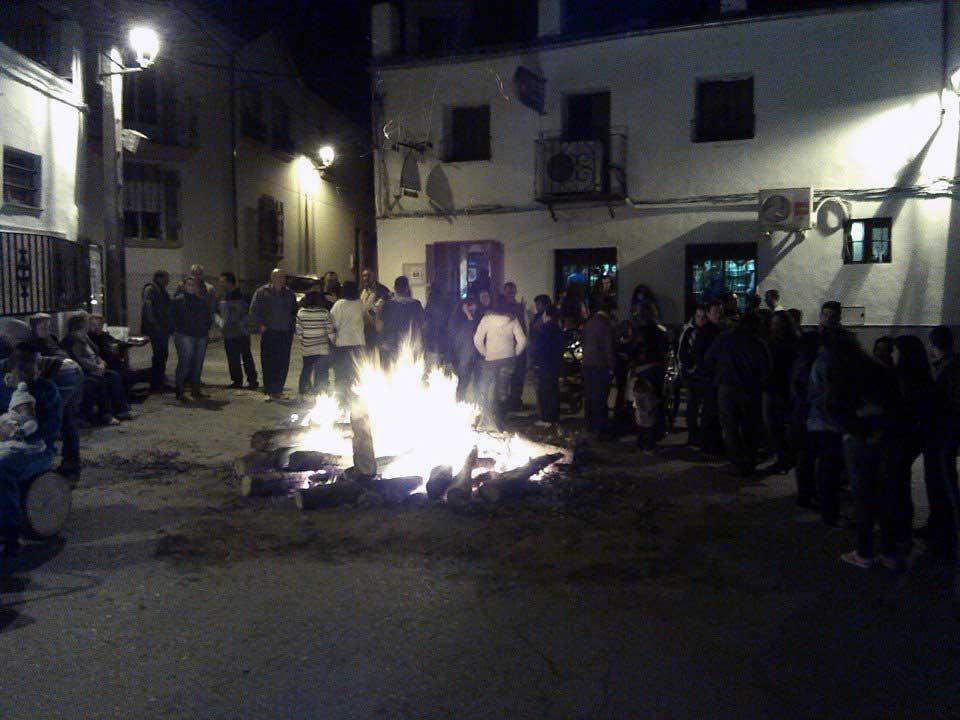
x,y
18,426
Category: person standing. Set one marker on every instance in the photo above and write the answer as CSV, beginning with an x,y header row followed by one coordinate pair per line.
x,y
274,309
463,326
191,325
314,328
599,362
402,318
548,359
651,346
499,339
940,453
347,316
519,374
710,436
232,314
688,367
771,300
155,323
784,338
373,295
207,293
436,315
739,363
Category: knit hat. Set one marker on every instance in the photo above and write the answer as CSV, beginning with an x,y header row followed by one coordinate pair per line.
x,y
21,396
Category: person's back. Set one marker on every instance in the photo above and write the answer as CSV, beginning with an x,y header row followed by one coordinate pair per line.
x,y
740,359
402,319
314,326
499,337
233,311
597,341
549,347
347,316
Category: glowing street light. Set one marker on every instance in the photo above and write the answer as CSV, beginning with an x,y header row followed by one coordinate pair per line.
x,y
327,156
145,44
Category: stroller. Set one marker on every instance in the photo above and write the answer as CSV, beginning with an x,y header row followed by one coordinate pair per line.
x,y
571,373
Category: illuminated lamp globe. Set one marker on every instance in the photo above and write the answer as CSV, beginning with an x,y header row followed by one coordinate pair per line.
x,y
327,155
146,45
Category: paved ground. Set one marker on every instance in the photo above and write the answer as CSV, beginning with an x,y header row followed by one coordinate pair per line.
x,y
671,590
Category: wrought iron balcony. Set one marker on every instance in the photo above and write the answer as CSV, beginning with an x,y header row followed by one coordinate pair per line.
x,y
582,170
42,273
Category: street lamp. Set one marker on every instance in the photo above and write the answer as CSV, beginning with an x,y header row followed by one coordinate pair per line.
x,y
146,44
327,156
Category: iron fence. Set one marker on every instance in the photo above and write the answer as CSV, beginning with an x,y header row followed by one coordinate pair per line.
x,y
42,273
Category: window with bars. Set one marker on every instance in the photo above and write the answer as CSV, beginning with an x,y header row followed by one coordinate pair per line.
x,y
868,241
468,136
724,110
270,227
22,179
151,204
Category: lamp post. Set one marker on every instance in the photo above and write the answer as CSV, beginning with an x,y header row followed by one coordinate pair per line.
x,y
146,46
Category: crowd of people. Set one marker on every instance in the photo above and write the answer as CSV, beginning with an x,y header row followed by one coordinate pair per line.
x,y
757,388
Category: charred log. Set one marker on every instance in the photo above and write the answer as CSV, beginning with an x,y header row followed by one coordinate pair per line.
x,y
394,490
268,484
341,492
441,477
269,440
460,491
496,487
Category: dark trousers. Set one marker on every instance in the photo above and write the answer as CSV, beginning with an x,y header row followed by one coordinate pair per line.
x,y
740,414
596,394
275,359
518,378
806,456
873,478
160,344
548,394
315,374
694,406
106,392
940,476
655,375
828,470
70,385
775,410
239,358
492,387
465,368
711,434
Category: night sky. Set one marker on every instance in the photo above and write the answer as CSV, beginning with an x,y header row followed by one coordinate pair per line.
x,y
329,40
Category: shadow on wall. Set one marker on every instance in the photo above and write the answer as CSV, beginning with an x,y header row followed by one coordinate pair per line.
x,y
439,192
850,279
664,269
950,306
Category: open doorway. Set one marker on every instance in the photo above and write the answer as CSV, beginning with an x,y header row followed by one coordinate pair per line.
x,y
712,270
584,268
455,267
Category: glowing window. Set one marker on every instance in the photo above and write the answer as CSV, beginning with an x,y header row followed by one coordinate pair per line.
x,y
868,241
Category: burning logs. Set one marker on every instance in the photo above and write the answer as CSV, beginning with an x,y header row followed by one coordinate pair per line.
x,y
364,459
268,440
325,495
514,483
268,484
460,491
441,477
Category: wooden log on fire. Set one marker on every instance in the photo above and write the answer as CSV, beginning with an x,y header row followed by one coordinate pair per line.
x,y
276,438
268,484
460,491
341,492
394,490
441,477
497,487
364,459
284,459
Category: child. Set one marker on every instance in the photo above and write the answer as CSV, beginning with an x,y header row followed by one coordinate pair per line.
x,y
645,406
18,425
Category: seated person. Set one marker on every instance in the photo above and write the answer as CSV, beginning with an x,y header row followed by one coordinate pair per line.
x,y
102,386
19,431
18,466
108,347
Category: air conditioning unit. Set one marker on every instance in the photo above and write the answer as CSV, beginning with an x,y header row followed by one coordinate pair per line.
x,y
786,209
575,166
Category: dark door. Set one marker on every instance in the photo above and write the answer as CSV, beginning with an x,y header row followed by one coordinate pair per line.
x,y
459,266
714,270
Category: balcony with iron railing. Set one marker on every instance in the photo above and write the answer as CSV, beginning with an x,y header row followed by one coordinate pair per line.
x,y
42,273
582,170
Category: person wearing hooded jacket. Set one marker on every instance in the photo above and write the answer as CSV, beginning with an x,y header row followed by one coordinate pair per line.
x,y
402,318
499,339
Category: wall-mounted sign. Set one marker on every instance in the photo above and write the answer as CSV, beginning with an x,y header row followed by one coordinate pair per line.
x,y
531,89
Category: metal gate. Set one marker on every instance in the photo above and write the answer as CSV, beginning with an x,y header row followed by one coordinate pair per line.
x,y
42,273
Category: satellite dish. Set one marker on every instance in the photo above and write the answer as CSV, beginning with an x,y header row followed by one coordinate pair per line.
x,y
775,209
410,175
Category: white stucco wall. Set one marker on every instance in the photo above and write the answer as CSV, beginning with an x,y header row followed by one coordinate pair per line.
x,y
844,101
40,113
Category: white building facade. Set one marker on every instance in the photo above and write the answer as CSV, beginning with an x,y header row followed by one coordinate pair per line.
x,y
42,265
652,148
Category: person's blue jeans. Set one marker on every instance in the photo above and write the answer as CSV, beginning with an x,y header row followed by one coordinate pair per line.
x,y
15,470
70,384
315,374
494,376
190,352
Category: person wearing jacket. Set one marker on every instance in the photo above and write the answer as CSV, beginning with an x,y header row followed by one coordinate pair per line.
x,y
402,318
599,364
688,368
155,323
940,452
710,435
191,323
739,363
102,386
783,341
274,309
499,339
464,358
651,345
23,366
548,359
347,315
232,320
518,375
